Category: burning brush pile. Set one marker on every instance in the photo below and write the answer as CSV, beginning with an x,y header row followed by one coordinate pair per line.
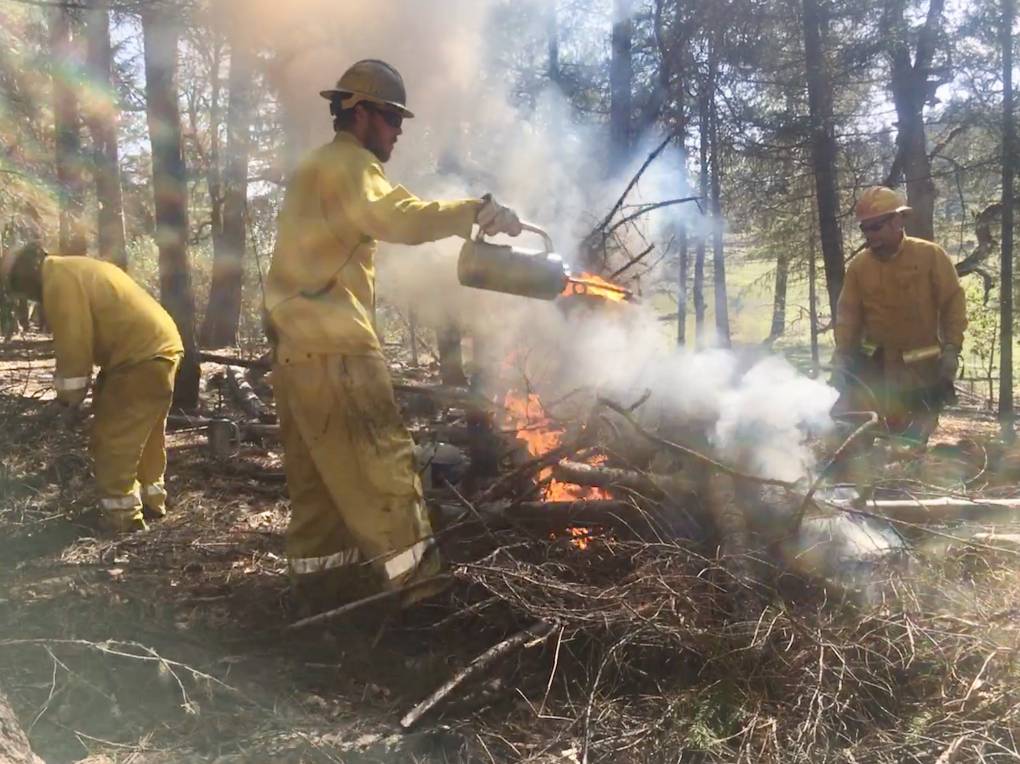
x,y
660,579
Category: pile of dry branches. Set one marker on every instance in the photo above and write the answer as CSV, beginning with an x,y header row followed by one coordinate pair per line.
x,y
636,638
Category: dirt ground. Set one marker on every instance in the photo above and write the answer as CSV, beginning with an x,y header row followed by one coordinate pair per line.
x,y
167,645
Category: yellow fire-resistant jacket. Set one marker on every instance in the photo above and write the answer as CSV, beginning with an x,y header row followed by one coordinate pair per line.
x,y
99,316
910,301
320,292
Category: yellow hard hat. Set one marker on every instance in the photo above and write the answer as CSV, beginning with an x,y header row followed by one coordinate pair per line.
x,y
370,80
878,201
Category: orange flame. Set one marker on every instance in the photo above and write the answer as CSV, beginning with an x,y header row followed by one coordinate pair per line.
x,y
541,434
591,284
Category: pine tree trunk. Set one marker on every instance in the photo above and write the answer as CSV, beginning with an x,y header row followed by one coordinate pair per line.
x,y
722,311
910,91
170,192
101,117
621,81
823,149
552,43
699,253
69,164
813,294
223,313
1009,160
681,290
779,298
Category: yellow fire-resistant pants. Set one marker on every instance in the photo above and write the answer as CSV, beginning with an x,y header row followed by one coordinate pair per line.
x,y
128,448
358,521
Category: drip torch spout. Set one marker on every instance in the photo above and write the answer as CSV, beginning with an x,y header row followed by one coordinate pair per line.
x,y
588,286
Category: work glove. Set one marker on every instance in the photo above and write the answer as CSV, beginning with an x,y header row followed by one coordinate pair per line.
x,y
494,218
949,363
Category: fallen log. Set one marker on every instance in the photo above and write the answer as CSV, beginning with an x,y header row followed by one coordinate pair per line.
x,y
944,509
245,395
596,476
14,746
534,634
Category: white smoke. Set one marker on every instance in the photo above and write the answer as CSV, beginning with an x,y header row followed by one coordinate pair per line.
x,y
756,409
471,135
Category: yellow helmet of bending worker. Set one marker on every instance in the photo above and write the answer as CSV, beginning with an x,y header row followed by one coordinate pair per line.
x,y
878,201
370,80
19,283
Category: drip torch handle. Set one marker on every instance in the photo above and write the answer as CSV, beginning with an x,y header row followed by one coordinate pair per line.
x,y
546,239
541,232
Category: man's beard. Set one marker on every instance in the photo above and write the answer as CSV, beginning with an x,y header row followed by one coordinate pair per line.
x,y
375,145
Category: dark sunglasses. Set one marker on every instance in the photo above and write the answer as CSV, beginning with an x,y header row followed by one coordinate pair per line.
x,y
391,118
878,225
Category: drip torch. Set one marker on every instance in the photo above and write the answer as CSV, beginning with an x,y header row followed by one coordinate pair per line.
x,y
537,273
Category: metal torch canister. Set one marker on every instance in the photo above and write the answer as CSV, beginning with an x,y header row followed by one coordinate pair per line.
x,y
540,274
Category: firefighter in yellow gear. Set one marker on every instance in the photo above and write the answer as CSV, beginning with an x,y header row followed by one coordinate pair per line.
x,y
900,320
358,520
99,316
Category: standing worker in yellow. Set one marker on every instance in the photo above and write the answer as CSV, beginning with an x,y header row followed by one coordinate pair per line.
x,y
899,321
358,520
99,316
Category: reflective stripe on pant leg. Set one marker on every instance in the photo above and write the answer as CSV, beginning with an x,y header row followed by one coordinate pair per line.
x,y
407,561
68,384
121,502
123,512
154,498
303,566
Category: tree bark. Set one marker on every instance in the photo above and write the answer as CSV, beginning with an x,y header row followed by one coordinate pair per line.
x,y
621,81
552,43
14,746
681,291
66,119
722,311
779,298
699,253
1009,159
813,294
101,117
823,148
911,89
223,313
170,192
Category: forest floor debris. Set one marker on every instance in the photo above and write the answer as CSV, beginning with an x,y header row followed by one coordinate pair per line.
x,y
608,629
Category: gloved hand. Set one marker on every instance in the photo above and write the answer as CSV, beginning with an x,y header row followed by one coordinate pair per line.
x,y
494,218
949,363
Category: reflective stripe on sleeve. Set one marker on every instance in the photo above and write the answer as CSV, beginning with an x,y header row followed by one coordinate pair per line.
x,y
120,502
67,384
407,560
305,565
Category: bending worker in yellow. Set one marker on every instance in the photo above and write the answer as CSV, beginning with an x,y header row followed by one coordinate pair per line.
x,y
98,315
358,521
899,321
